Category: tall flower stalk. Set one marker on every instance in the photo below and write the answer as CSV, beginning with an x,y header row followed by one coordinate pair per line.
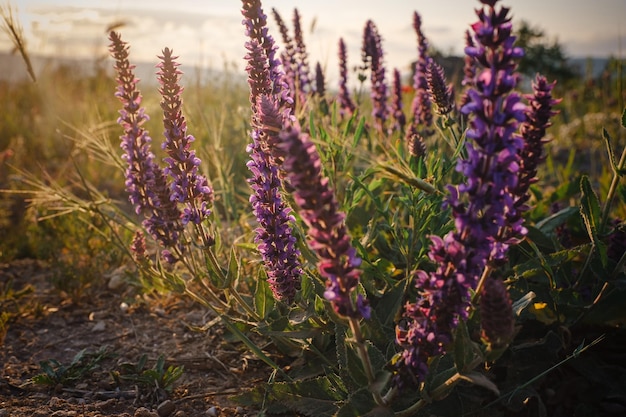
x,y
188,187
270,109
421,113
327,232
481,206
145,181
373,59
399,119
346,105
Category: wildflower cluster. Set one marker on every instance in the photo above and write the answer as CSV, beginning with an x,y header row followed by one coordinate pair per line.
x,y
145,181
481,206
485,189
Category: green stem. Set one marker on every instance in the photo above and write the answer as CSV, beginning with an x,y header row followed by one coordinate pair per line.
x,y
434,395
365,358
612,190
234,292
481,283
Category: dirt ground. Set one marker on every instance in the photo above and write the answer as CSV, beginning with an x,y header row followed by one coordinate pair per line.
x,y
46,326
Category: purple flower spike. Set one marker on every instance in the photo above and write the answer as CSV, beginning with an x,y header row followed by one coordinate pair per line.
x,y
255,22
327,233
396,103
302,58
373,58
320,83
271,107
145,181
441,93
538,115
421,105
482,206
288,56
188,186
496,314
346,105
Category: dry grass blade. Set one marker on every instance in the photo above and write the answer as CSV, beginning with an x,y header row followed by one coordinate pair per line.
x,y
12,28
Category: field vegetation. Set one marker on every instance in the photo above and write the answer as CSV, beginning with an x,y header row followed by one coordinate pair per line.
x,y
446,242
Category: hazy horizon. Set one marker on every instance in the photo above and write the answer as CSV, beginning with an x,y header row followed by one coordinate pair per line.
x,y
211,35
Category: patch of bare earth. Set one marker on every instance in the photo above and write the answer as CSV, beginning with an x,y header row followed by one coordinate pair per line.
x,y
45,325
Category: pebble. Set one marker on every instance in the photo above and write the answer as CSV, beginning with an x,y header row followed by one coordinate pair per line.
x,y
144,412
166,408
55,402
99,326
4,412
212,412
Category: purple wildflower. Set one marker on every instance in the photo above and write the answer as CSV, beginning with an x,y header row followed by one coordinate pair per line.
x,y
441,94
288,56
145,181
533,130
255,22
274,236
469,68
396,102
417,146
269,111
346,105
491,170
422,119
320,84
188,186
327,233
496,314
302,59
138,247
373,59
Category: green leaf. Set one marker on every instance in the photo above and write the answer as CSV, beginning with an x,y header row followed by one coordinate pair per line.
x,y
624,117
609,149
465,351
590,212
232,274
550,223
358,405
358,132
263,298
316,397
390,303
477,378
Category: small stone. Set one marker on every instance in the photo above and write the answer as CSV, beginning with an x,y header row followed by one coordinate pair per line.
x,y
144,412
166,408
4,412
117,278
180,413
55,402
212,412
99,326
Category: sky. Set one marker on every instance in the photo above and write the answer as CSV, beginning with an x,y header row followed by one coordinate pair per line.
x,y
209,32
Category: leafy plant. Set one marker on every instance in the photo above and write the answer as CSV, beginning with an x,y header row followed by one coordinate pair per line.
x,y
83,364
158,380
